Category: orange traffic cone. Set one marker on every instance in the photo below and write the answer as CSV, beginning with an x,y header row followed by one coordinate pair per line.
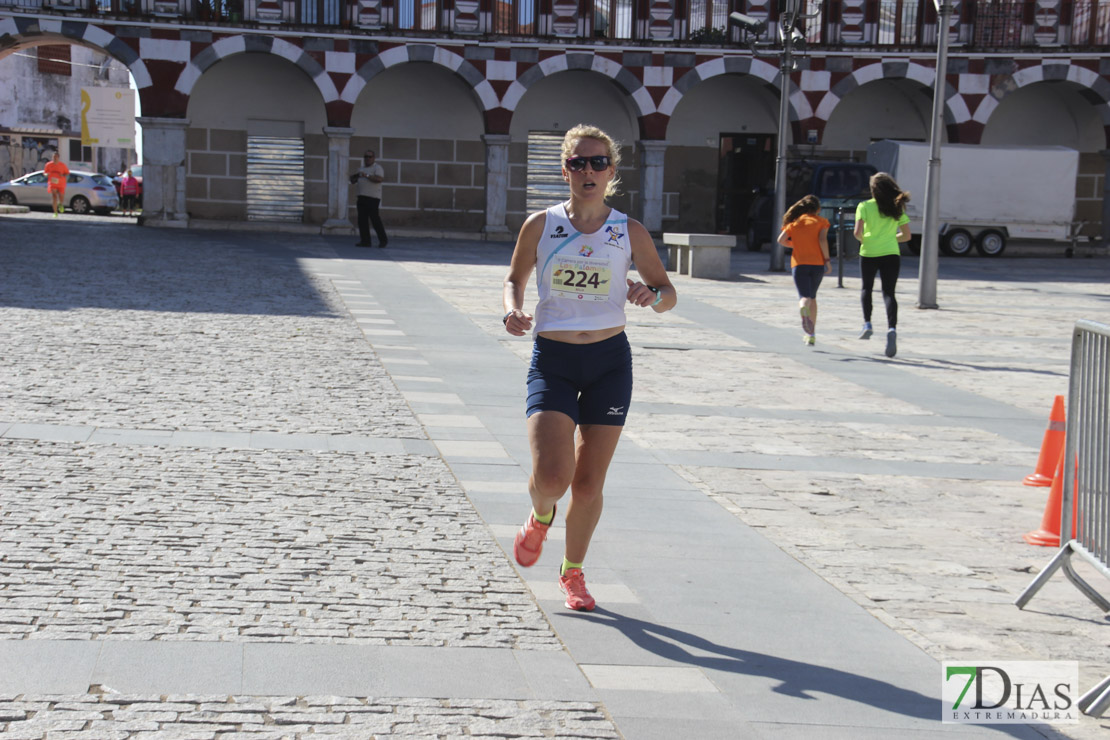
x,y
1049,533
1051,446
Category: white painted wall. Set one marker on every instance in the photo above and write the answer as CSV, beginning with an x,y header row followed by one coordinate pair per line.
x,y
883,109
31,99
418,100
723,104
565,99
255,86
1046,113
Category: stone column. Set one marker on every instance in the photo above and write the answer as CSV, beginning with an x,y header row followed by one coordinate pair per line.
x,y
652,154
339,157
164,172
497,184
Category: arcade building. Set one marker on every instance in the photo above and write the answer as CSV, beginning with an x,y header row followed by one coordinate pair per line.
x,y
259,109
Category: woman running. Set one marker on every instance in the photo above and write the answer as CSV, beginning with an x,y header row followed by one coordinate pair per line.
x,y
581,372
807,232
881,225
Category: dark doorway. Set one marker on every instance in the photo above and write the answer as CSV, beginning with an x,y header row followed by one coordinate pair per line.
x,y
747,164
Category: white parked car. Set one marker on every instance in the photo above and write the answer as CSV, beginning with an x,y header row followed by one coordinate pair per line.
x,y
85,192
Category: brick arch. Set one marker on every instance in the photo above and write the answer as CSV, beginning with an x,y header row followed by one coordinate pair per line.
x,y
800,108
449,60
232,45
584,61
1095,89
956,111
80,32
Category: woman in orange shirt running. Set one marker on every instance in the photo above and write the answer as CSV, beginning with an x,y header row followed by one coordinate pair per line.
x,y
804,229
56,175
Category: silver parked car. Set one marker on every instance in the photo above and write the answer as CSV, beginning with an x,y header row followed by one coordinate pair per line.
x,y
85,192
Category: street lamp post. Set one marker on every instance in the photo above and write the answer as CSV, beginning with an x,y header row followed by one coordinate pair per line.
x,y
787,64
789,37
930,227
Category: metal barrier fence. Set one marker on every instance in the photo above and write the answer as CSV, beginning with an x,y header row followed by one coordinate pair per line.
x,y
1086,489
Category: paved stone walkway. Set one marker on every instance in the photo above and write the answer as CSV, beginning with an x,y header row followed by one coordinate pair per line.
x,y
897,481
255,485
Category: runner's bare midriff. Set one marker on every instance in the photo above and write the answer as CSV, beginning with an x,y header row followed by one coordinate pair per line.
x,y
582,337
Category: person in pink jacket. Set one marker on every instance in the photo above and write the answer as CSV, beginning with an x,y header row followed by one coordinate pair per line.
x,y
128,190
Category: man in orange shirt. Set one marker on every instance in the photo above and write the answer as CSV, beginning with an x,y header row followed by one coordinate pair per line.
x,y
56,175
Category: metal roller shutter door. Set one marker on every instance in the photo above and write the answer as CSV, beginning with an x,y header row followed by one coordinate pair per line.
x,y
275,179
545,184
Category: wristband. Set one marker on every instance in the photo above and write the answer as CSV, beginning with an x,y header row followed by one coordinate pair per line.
x,y
658,294
505,318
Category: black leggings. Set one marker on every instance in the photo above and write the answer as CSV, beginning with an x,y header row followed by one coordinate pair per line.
x,y
888,266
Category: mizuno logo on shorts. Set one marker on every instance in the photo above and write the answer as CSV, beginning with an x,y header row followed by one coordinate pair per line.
x,y
616,411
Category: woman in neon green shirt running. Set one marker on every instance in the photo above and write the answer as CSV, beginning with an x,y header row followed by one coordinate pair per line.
x,y
881,225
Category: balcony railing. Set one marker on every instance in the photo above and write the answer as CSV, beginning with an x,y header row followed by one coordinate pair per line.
x,y
980,24
417,15
899,23
1090,23
515,17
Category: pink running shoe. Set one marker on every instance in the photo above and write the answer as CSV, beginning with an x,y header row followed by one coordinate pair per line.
x,y
573,584
528,543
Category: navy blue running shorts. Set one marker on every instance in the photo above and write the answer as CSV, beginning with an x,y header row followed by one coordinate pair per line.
x,y
590,383
807,279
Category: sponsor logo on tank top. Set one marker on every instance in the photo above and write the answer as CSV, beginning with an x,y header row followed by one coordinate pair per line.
x,y
615,234
560,233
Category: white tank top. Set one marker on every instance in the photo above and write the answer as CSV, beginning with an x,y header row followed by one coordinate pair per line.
x,y
581,277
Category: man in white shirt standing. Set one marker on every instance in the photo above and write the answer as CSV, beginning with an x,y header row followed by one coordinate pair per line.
x,y
369,180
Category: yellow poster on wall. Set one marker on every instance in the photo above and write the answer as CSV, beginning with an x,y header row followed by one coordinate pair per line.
x,y
108,116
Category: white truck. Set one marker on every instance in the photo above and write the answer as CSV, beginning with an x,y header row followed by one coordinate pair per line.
x,y
988,194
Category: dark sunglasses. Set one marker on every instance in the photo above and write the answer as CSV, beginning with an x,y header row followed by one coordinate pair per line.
x,y
597,164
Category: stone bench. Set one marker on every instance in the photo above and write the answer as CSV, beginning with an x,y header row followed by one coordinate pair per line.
x,y
699,255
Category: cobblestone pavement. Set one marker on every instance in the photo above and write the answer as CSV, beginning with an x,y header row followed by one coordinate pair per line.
x,y
150,543
102,716
283,518
208,337
147,333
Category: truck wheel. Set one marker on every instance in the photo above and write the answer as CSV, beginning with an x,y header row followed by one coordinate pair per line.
x,y
991,243
754,244
942,245
958,242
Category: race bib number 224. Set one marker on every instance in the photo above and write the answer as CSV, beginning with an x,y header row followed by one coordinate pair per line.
x,y
581,279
